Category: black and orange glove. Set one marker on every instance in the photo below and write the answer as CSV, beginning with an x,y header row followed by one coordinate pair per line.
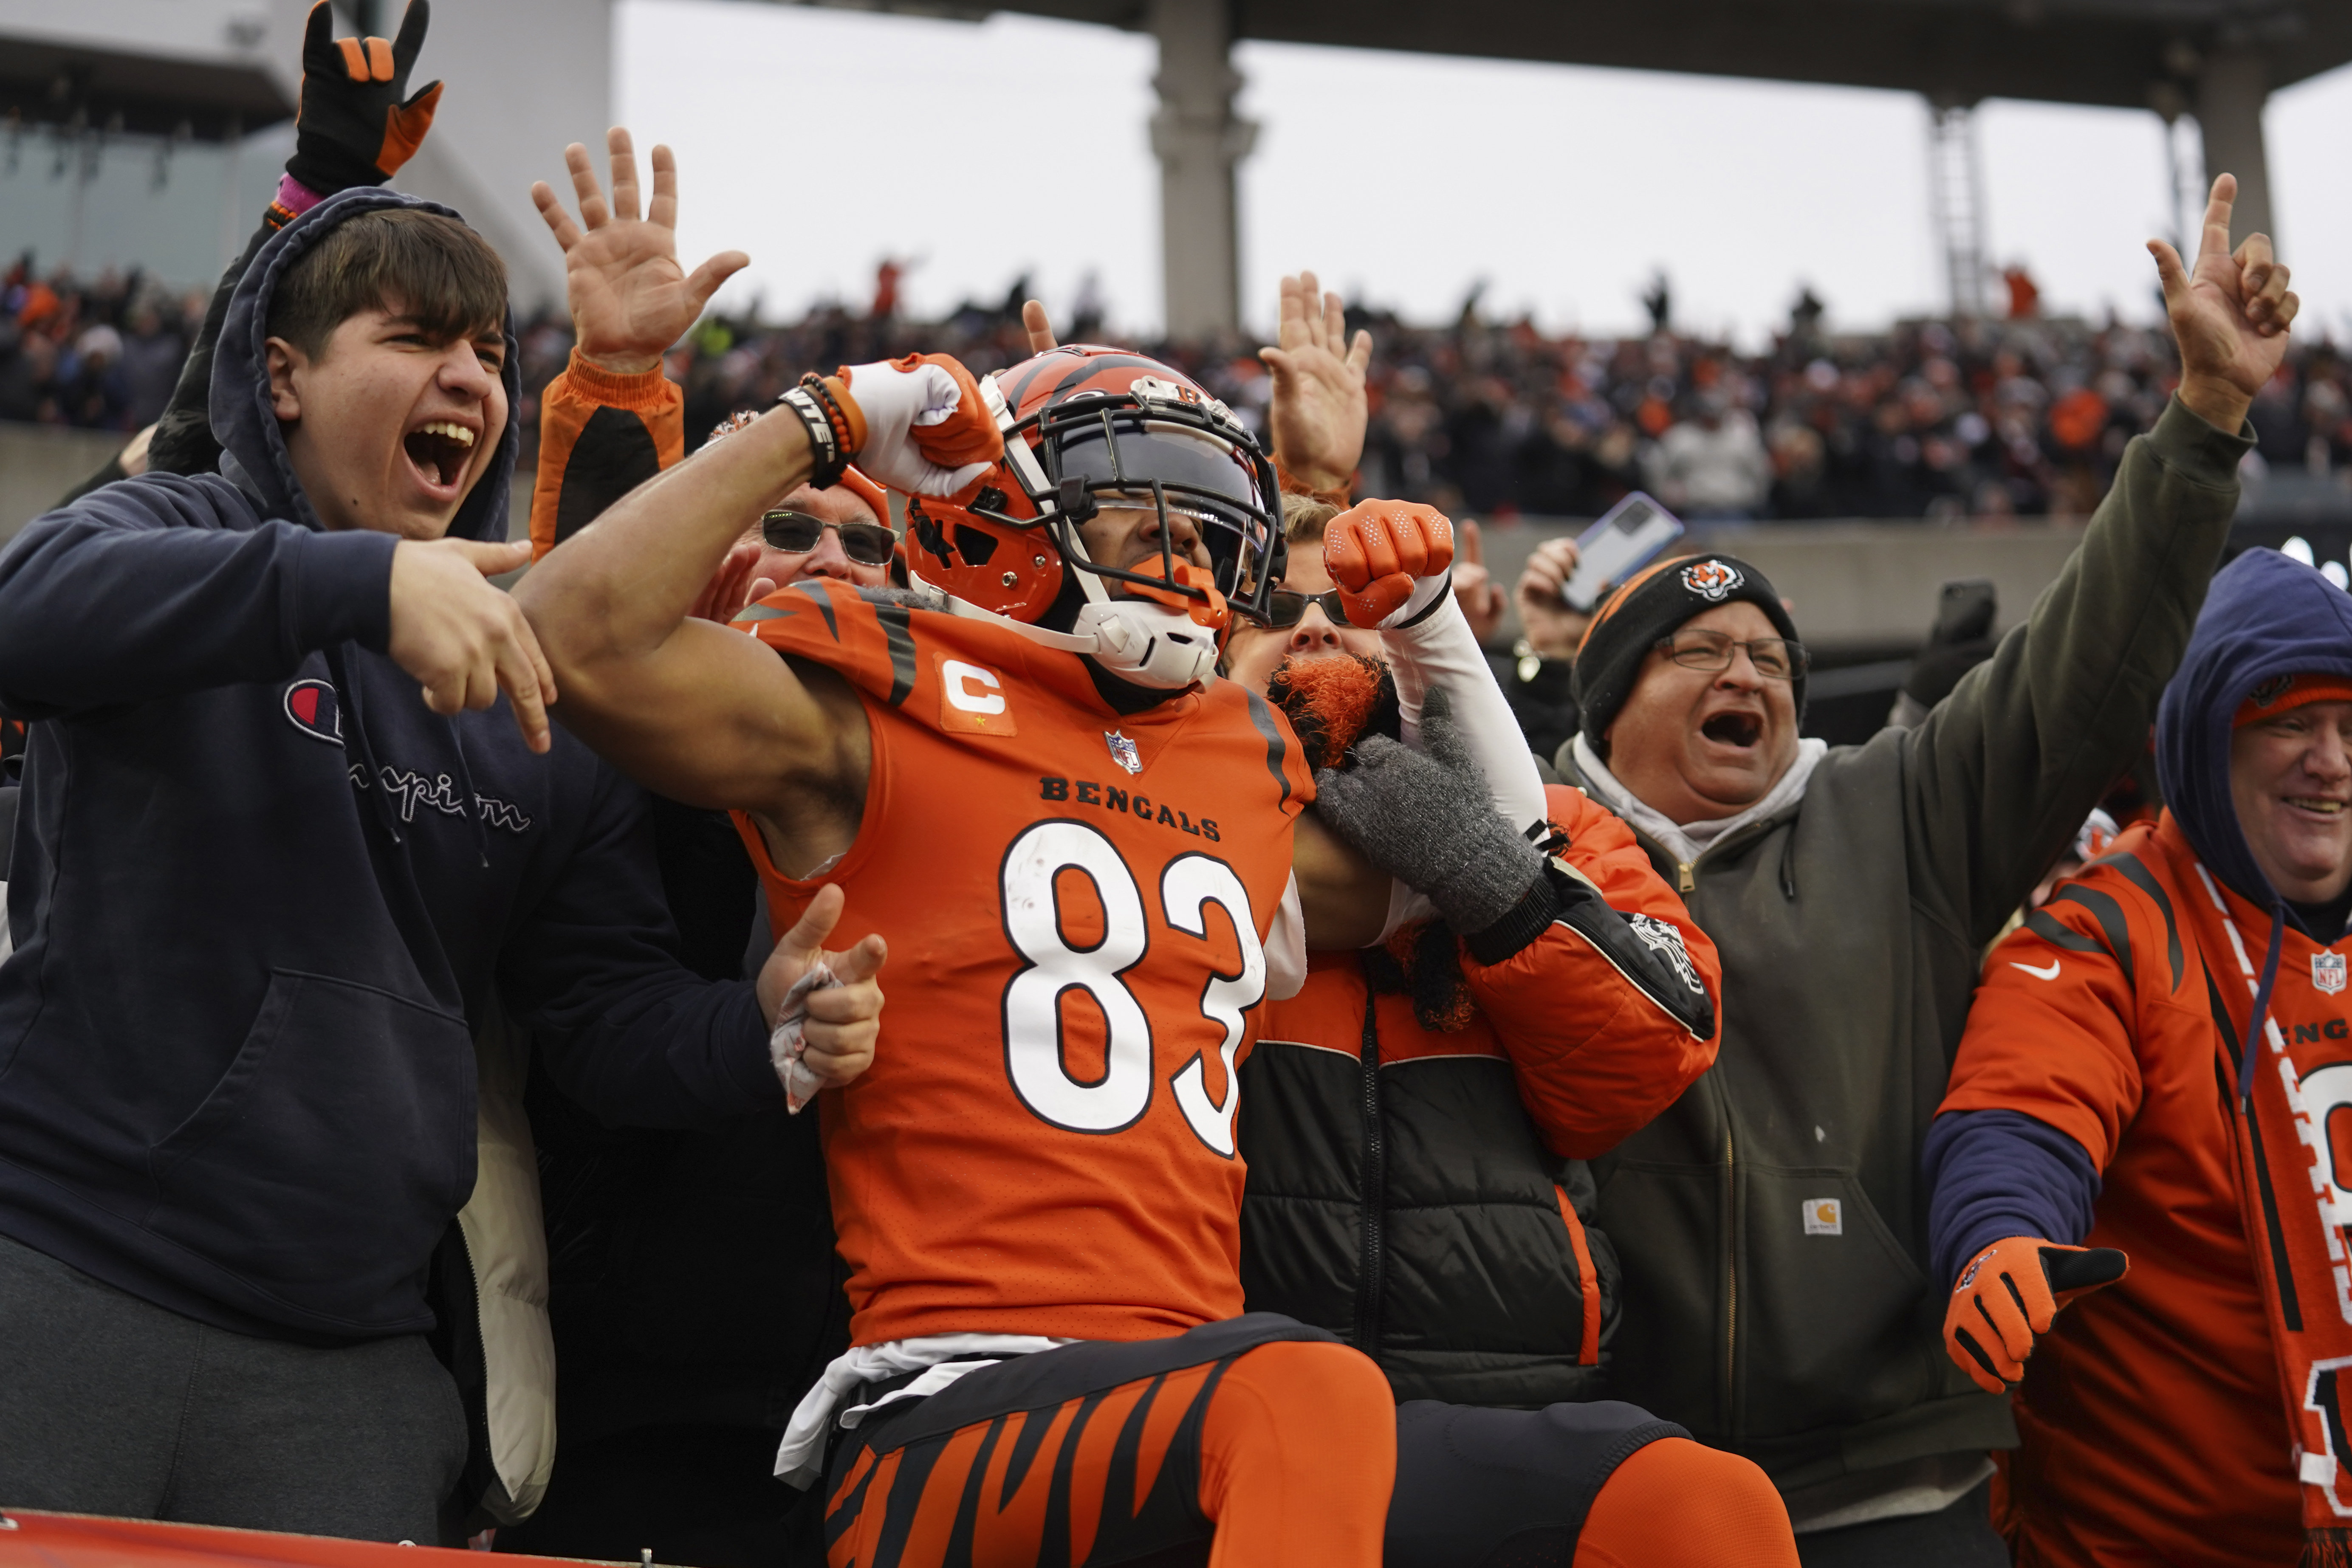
x,y
355,126
1390,558
2010,1293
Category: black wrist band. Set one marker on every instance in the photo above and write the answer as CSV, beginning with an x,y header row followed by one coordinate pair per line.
x,y
1520,924
1430,608
827,460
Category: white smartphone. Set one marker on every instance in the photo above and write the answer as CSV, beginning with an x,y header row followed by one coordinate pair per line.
x,y
1627,537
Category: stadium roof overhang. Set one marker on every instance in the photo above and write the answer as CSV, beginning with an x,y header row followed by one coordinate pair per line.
x,y
2131,54
79,86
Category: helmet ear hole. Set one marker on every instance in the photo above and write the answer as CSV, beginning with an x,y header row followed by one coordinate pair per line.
x,y
973,545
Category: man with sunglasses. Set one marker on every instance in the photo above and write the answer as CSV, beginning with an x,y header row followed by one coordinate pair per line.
x,y
1772,1222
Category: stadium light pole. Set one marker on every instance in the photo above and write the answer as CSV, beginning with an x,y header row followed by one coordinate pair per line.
x,y
1199,139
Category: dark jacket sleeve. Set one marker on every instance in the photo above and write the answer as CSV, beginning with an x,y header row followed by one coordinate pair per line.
x,y
2007,766
624,1029
1992,1174
183,442
601,435
153,589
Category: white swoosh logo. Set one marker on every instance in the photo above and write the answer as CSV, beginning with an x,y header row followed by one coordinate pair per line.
x,y
2048,974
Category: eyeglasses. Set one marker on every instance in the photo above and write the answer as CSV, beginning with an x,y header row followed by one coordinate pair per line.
x,y
1283,608
797,533
1775,659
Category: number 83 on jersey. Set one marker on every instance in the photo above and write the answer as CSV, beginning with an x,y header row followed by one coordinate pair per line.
x,y
1047,874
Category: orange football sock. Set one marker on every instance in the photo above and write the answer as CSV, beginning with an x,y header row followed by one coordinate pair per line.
x,y
1675,1504
1298,1454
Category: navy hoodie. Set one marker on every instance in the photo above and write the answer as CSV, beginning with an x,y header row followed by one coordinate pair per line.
x,y
262,896
1997,1173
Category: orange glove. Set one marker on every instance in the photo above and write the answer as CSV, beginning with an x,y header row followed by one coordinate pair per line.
x,y
354,126
920,426
2011,1291
1389,557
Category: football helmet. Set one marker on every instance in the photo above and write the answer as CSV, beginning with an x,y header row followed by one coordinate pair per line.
x,y
1087,429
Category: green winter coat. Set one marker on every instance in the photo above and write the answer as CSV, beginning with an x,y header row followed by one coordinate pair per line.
x,y
1850,924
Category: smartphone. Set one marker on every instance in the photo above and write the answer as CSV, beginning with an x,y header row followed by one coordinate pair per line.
x,y
1964,612
1626,537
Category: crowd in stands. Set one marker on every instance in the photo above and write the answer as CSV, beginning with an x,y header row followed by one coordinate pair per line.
x,y
101,353
2022,417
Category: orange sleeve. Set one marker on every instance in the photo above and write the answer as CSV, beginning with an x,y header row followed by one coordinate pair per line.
x,y
600,435
1600,1040
2052,1033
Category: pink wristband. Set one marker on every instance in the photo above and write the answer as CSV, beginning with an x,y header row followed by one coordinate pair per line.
x,y
296,197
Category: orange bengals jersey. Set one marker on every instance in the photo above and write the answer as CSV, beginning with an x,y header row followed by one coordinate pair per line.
x,y
1075,902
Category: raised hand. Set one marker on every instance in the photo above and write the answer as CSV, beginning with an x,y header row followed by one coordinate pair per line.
x,y
1390,558
1553,629
1040,330
1319,412
2230,314
630,299
357,125
1474,588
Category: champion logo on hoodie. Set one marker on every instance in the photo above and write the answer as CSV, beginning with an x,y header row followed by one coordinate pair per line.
x,y
311,705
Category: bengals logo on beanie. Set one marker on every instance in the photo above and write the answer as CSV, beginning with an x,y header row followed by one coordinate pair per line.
x,y
1713,578
1653,604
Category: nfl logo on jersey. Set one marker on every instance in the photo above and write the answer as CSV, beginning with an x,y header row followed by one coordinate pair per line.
x,y
1123,751
2327,972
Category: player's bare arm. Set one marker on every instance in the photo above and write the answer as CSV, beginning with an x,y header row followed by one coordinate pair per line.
x,y
686,706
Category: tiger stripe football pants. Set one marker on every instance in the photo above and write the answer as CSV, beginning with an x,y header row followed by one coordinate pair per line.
x,y
1281,1455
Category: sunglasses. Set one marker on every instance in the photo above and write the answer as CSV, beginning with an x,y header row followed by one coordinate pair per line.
x,y
1283,608
797,533
1774,658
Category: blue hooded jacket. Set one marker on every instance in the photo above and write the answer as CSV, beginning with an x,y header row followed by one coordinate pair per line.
x,y
1996,1174
262,896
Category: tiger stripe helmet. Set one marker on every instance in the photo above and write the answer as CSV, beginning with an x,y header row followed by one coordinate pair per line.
x,y
1089,428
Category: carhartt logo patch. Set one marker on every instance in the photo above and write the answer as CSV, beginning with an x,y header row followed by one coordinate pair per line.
x,y
1824,1216
1123,751
2327,972
971,698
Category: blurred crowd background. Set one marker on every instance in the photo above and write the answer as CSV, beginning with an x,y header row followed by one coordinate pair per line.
x,y
2023,416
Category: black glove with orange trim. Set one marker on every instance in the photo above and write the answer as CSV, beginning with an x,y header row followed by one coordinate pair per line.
x,y
2010,1293
357,126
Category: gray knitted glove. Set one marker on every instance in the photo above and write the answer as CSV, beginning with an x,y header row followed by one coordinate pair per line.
x,y
1424,818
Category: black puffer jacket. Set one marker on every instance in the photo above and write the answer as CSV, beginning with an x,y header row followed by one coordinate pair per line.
x,y
1416,1160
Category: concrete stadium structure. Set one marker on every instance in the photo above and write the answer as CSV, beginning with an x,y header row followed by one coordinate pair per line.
x,y
219,69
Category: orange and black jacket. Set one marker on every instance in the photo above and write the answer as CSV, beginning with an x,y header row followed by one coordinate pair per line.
x,y
1417,1182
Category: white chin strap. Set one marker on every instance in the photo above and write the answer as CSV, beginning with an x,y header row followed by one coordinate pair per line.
x,y
1141,642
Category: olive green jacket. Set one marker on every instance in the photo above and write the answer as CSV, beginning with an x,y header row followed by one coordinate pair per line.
x,y
1773,1222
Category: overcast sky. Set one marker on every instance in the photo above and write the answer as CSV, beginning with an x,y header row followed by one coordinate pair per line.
x,y
1402,179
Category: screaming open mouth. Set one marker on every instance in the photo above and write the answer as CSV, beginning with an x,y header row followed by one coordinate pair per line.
x,y
1741,729
440,450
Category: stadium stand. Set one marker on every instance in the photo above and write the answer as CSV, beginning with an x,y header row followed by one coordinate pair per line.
x,y
2023,417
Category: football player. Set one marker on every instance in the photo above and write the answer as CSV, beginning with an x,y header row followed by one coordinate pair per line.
x,y
1082,839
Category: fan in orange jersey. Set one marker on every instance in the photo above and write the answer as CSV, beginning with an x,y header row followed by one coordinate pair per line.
x,y
1078,842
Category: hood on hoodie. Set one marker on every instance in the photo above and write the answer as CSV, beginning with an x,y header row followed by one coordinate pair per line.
x,y
253,445
2266,615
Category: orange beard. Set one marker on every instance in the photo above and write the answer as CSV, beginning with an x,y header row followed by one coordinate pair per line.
x,y
1332,701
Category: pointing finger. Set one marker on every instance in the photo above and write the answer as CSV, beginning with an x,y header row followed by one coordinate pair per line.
x,y
491,559
862,962
1040,329
411,36
2215,241
1469,549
